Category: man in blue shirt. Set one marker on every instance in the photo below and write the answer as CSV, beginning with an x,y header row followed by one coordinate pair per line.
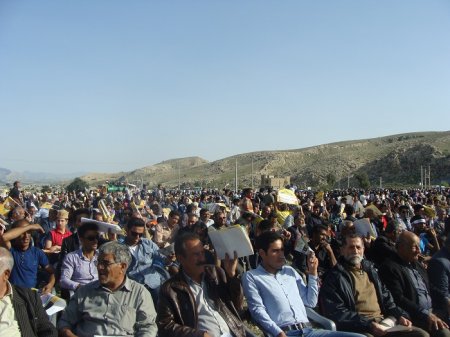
x,y
277,295
27,258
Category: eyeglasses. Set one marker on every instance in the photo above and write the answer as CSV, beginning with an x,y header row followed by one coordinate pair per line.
x,y
137,234
93,238
104,263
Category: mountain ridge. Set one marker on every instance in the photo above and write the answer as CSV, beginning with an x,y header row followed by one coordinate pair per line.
x,y
394,158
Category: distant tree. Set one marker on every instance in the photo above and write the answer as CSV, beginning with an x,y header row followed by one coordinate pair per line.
x,y
331,180
46,189
363,180
77,184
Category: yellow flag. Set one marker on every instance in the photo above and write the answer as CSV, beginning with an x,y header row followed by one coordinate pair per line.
x,y
47,205
7,205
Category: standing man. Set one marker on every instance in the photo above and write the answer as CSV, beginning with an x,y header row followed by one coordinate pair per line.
x,y
15,192
247,200
277,295
200,300
112,306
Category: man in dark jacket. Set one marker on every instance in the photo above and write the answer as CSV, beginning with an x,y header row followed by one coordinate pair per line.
x,y
408,282
439,275
353,296
21,310
200,301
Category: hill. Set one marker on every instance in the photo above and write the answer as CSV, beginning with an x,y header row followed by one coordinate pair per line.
x,y
397,159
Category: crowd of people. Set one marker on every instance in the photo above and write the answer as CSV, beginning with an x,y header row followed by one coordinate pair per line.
x,y
375,262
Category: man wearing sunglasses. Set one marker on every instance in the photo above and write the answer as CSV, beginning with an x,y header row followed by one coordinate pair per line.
x,y
114,305
147,265
79,267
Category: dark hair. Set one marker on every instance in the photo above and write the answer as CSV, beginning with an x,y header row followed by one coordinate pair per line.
x,y
87,226
80,211
135,222
246,190
174,213
317,229
264,240
264,226
203,211
180,241
349,236
20,223
349,210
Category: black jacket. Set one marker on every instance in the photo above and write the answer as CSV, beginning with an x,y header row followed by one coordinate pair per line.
x,y
337,301
177,309
30,314
395,275
439,275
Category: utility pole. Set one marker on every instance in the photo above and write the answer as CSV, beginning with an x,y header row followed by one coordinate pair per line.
x,y
179,178
252,175
381,183
421,176
348,181
235,177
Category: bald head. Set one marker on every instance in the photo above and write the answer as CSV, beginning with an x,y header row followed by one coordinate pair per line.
x,y
408,246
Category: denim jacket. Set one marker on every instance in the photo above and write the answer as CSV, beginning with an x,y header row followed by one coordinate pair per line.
x,y
148,268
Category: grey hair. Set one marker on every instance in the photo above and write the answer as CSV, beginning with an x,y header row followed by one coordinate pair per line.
x,y
120,251
6,260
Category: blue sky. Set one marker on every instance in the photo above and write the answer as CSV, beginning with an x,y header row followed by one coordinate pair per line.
x,y
105,86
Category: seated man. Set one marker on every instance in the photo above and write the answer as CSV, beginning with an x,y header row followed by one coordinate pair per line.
x,y
56,236
80,267
21,310
322,249
112,306
353,296
27,258
408,282
439,275
276,294
147,264
200,300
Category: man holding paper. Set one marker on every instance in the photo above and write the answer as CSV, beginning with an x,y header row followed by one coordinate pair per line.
x,y
201,300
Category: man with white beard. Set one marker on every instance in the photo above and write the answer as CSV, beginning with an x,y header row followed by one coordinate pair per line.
x,y
353,296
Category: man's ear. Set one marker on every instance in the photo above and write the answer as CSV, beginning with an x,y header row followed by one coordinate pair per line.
x,y
6,274
261,252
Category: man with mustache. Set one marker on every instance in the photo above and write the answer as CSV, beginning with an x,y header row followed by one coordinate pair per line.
x,y
113,305
201,300
353,296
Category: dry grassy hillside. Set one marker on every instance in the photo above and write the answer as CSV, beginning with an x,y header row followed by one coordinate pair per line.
x,y
397,159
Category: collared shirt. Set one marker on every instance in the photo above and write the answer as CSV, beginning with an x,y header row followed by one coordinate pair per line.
x,y
95,310
209,319
278,300
423,297
56,237
26,263
8,322
77,269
